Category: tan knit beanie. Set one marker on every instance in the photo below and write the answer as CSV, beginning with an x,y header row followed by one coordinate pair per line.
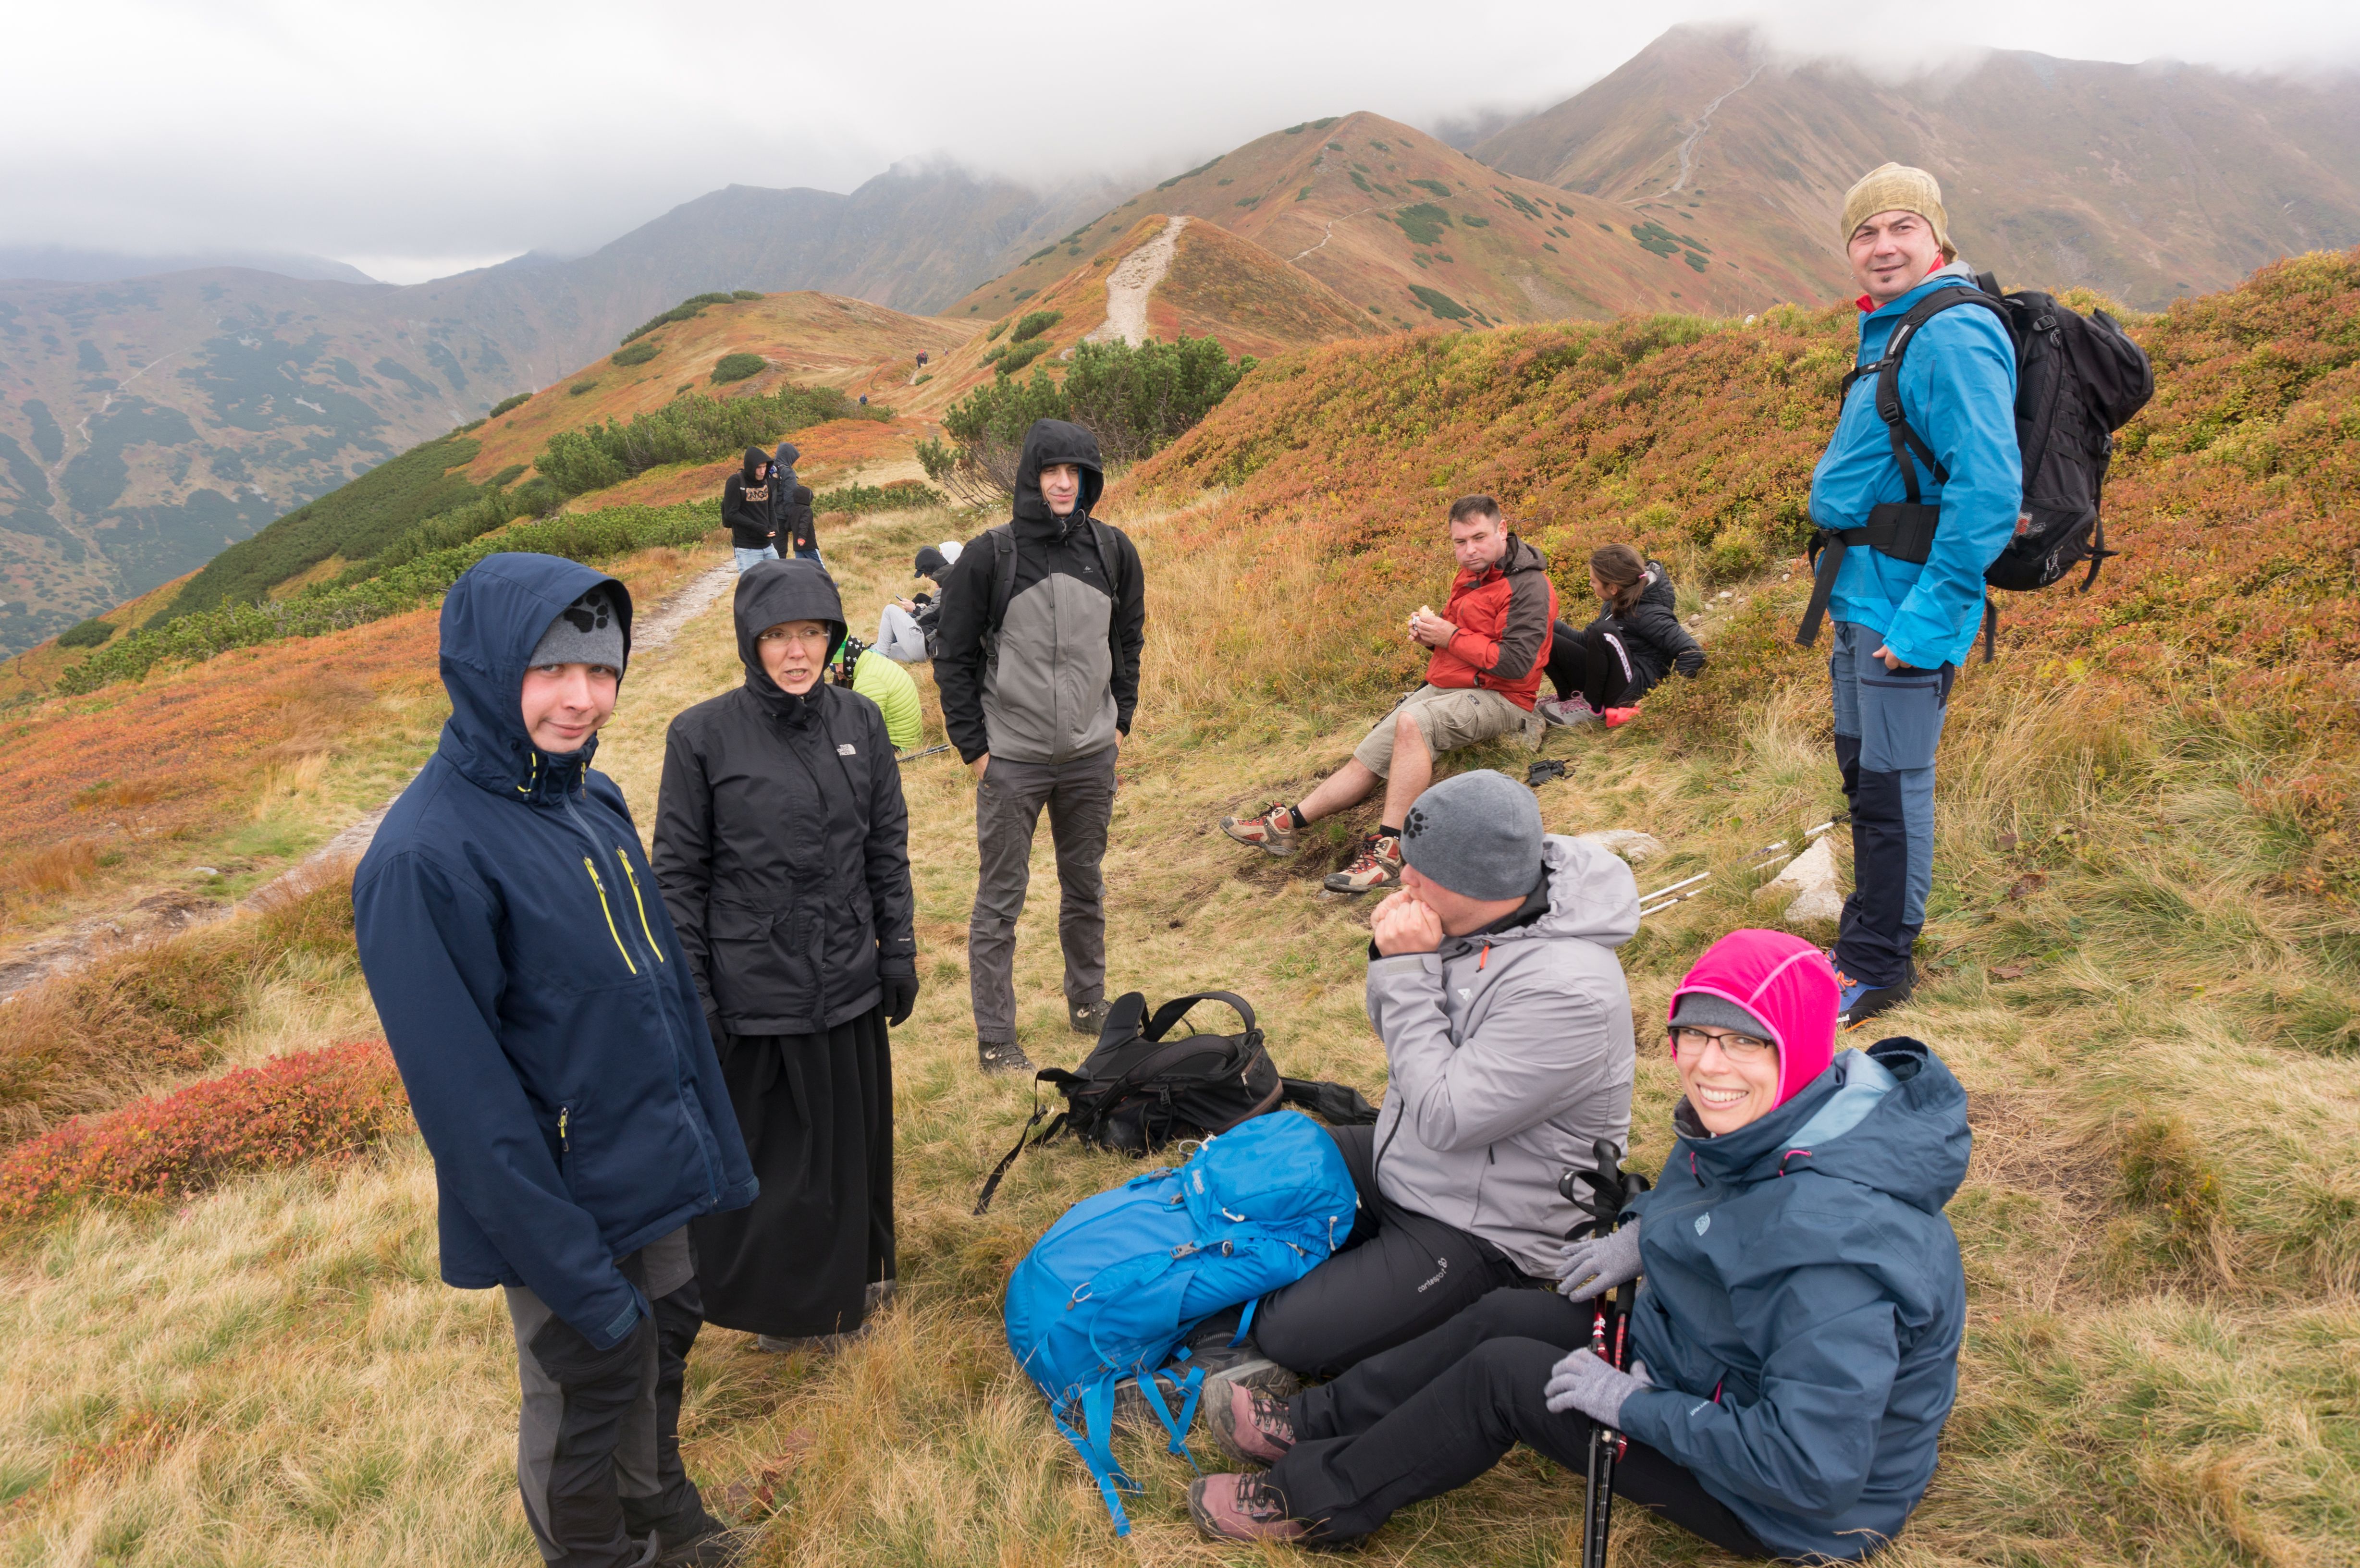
x,y
1897,188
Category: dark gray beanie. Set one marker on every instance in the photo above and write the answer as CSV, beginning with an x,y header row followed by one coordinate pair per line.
x,y
1478,835
1701,1009
587,631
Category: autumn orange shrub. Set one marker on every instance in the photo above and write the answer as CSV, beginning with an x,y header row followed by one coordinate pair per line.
x,y
324,1107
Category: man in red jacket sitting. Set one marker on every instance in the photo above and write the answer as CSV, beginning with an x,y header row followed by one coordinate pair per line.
x,y
1489,646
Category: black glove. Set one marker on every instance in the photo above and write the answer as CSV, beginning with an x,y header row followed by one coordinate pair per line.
x,y
900,995
571,1361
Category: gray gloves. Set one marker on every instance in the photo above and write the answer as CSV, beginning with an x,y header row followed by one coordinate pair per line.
x,y
1596,1264
1584,1381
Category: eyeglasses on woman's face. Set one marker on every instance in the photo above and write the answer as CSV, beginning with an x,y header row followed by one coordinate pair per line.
x,y
813,636
1736,1046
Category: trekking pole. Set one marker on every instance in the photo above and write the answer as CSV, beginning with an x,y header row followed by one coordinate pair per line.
x,y
1767,856
930,751
1611,1190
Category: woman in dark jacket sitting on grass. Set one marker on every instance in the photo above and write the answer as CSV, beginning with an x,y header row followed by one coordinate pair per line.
x,y
781,846
1602,671
1795,1342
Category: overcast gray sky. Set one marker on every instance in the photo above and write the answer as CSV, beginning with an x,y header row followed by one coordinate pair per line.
x,y
419,138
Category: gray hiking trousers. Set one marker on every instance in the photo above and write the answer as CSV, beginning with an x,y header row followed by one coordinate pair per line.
x,y
598,1459
1080,795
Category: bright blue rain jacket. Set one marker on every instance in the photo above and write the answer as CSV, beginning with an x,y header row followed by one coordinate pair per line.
x,y
1958,387
531,987
1803,1302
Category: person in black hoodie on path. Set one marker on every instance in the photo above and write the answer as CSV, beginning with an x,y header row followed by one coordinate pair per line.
x,y
796,522
1602,671
748,508
781,848
1042,622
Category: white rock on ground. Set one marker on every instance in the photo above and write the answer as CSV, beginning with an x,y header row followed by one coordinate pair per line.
x,y
1809,887
1630,844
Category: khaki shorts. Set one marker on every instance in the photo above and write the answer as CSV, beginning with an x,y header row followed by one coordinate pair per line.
x,y
1448,719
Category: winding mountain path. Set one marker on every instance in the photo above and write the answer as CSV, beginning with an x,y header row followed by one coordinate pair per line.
x,y
1132,280
1695,133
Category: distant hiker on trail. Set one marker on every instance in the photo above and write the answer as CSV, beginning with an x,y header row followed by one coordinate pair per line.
x,y
1795,1342
783,465
868,672
782,845
1490,644
1602,671
747,509
1042,620
905,626
797,524
1508,1051
1904,621
539,1004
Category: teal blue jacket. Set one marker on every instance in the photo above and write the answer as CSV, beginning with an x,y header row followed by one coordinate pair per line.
x,y
1803,1300
1958,388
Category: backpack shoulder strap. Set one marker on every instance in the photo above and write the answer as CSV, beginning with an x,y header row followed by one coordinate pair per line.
x,y
1173,1011
1109,555
1907,441
1003,575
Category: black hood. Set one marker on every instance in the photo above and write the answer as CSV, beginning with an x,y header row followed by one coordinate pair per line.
x,y
769,592
1052,441
931,562
754,454
788,452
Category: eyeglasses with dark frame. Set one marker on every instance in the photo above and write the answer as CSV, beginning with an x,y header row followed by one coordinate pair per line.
x,y
1736,1046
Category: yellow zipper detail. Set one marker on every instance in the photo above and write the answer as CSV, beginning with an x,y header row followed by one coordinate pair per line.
x,y
633,878
587,865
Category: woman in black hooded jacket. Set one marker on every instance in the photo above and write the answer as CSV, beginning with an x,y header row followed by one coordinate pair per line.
x,y
781,847
1602,671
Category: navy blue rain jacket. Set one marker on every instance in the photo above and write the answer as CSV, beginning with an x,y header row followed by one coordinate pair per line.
x,y
530,983
1804,1301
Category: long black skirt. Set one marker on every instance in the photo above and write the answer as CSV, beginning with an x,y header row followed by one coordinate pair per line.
x,y
817,1114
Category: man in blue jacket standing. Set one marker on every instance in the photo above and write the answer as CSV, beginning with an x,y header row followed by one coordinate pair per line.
x,y
557,1058
1904,621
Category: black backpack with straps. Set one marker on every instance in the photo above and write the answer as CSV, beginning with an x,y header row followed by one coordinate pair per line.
x,y
1003,573
2077,380
1138,1090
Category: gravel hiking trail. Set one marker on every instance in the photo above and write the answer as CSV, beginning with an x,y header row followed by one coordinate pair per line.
x,y
1132,280
167,914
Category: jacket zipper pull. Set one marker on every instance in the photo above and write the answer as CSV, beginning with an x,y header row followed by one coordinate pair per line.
x,y
564,1115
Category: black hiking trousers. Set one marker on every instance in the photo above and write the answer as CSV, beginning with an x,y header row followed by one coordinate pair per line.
x,y
1431,1415
1397,1275
1593,665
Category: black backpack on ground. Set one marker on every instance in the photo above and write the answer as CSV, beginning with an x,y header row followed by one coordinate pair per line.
x,y
1138,1091
2077,380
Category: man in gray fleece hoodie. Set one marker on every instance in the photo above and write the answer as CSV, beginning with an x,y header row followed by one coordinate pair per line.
x,y
1493,983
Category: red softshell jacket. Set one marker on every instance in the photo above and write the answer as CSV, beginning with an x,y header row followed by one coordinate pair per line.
x,y
1505,616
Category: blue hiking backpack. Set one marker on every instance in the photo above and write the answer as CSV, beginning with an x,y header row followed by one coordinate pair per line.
x,y
1113,1289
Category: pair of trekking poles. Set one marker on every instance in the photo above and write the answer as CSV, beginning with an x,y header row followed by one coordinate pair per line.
x,y
1612,1188
1761,858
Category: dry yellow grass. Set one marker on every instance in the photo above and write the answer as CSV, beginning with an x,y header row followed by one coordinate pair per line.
x,y
2163,1365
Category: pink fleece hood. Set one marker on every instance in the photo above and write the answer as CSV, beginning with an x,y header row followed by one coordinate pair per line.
x,y
1785,981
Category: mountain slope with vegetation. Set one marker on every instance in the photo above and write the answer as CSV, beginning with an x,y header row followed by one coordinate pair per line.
x,y
2142,959
2146,182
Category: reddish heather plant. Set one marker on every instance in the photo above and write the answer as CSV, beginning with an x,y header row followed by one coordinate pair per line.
x,y
326,1108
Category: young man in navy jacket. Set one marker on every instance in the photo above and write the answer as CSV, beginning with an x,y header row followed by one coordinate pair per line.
x,y
1902,627
557,1058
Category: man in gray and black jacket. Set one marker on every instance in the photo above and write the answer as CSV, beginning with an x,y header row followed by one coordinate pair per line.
x,y
1041,624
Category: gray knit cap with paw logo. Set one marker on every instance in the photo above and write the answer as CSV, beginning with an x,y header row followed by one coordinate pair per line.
x,y
587,631
1478,835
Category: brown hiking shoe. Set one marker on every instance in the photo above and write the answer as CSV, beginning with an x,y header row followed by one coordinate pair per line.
x,y
998,1056
1378,864
1241,1507
1264,832
1248,1424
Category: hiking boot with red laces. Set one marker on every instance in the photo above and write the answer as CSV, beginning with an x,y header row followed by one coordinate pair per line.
x,y
1565,710
1274,831
1378,864
1247,1422
1617,717
1241,1507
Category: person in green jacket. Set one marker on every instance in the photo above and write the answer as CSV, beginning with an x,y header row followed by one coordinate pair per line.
x,y
888,686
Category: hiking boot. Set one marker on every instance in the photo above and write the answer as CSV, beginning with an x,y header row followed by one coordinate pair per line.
x,y
1378,864
1247,1424
999,1056
717,1547
1857,1001
1088,1018
1565,711
1617,717
1241,1507
1241,1367
1264,832
875,1296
